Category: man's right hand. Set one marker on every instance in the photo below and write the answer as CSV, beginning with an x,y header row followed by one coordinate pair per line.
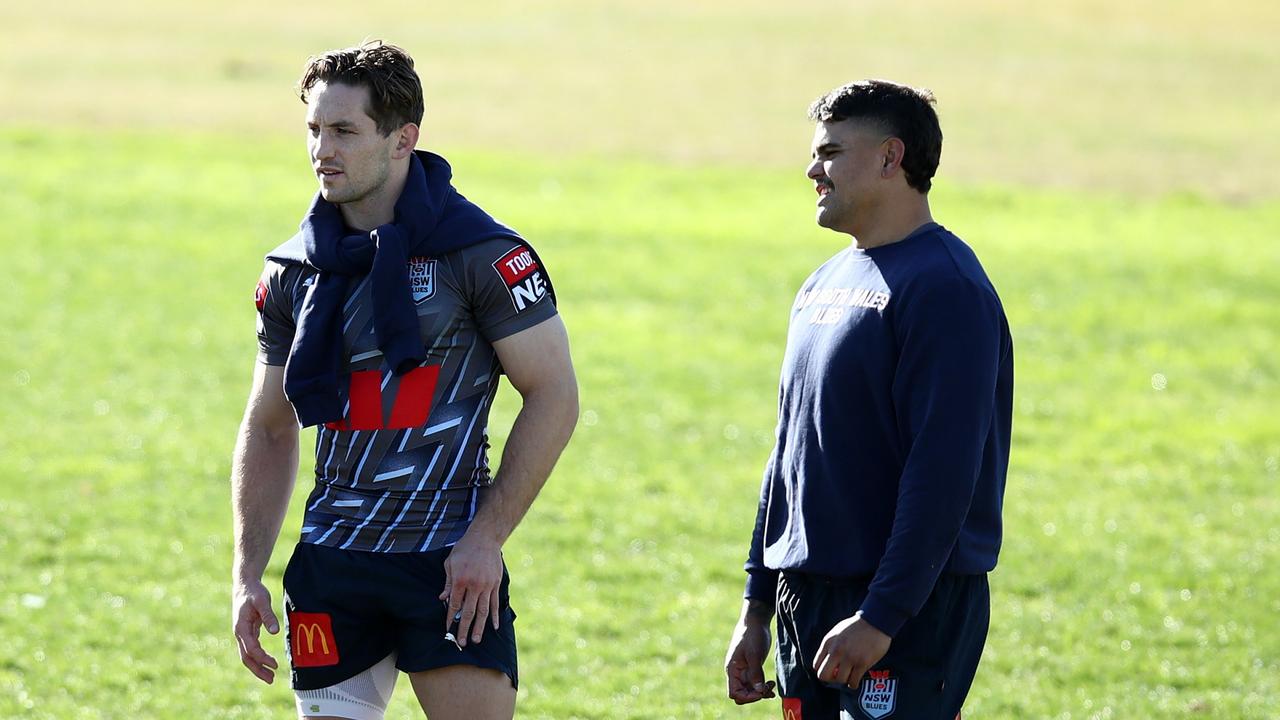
x,y
251,611
744,662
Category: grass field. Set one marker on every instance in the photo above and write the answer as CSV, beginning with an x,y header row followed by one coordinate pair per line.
x,y
1143,526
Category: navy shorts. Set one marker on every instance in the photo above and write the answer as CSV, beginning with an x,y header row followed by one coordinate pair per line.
x,y
925,675
346,610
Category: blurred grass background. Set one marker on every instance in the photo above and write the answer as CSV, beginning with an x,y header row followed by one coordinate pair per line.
x,y
1112,165
1143,96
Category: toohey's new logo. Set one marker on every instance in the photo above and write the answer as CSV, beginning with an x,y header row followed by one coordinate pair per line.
x,y
522,276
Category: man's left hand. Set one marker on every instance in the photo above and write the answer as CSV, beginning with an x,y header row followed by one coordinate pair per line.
x,y
849,650
472,578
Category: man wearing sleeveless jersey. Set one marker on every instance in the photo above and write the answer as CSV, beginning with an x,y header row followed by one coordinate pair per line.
x,y
387,322
879,514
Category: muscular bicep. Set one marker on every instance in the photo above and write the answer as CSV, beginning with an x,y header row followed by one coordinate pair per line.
x,y
537,359
268,409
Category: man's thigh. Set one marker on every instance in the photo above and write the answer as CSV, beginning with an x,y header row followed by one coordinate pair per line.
x,y
926,673
332,632
464,692
932,661
361,697
807,609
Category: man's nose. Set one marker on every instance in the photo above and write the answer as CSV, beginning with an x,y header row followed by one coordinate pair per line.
x,y
814,170
322,147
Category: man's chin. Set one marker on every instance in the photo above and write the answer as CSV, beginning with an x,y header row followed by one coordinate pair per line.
x,y
334,195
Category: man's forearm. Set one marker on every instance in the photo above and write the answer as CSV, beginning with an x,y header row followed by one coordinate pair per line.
x,y
538,436
262,474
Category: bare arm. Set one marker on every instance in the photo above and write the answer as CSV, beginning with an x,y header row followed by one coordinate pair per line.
x,y
538,365
744,662
263,469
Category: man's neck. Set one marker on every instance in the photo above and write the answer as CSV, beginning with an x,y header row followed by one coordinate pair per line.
x,y
378,208
894,222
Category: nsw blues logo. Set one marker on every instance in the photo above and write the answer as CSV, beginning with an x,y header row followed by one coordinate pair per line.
x,y
422,278
879,694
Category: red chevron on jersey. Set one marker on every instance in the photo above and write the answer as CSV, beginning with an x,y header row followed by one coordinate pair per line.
x,y
411,407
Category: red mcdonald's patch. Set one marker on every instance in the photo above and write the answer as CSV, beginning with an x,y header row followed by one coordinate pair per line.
x,y
791,709
311,640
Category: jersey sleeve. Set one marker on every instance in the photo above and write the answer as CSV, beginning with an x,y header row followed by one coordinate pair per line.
x,y
508,288
275,316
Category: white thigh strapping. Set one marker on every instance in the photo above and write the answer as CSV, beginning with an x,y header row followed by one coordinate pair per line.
x,y
361,697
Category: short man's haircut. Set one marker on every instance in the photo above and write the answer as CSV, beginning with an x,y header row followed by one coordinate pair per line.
x,y
899,110
395,91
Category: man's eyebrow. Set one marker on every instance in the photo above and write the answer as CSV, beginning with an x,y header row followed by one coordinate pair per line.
x,y
335,124
826,147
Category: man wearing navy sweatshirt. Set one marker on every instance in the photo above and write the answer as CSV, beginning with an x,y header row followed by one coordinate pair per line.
x,y
879,513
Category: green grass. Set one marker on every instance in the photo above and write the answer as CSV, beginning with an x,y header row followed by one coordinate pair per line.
x,y
1142,96
1136,580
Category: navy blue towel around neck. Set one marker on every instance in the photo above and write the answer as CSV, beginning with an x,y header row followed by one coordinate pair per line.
x,y
431,219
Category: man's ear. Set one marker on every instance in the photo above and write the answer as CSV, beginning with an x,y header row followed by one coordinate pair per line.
x,y
406,140
892,152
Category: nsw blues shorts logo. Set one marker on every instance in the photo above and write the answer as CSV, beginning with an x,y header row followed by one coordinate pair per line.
x,y
879,695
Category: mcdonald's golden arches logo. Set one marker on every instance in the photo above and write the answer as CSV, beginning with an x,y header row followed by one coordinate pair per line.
x,y
311,640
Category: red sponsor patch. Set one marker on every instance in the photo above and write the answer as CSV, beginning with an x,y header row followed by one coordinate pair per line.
x,y
260,295
791,709
410,407
522,276
311,640
516,265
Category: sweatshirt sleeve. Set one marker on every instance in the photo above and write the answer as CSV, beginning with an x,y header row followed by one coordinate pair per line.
x,y
944,391
762,583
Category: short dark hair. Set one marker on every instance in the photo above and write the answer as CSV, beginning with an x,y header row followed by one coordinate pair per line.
x,y
905,112
395,91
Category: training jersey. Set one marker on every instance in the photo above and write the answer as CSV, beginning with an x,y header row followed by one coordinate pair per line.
x,y
894,419
401,472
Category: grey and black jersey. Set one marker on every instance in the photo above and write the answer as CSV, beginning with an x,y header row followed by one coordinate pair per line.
x,y
403,469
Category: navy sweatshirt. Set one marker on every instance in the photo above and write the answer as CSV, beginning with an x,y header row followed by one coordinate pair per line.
x,y
894,418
